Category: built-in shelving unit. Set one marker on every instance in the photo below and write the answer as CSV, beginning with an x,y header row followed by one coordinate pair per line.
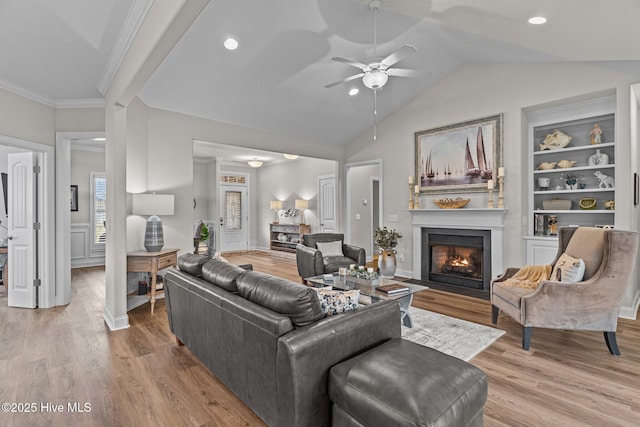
x,y
589,159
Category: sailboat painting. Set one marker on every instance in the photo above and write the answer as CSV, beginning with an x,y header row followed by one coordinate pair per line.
x,y
460,157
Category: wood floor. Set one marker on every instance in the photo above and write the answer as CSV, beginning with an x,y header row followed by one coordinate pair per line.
x,y
139,376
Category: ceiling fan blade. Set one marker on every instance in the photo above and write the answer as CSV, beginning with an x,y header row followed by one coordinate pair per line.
x,y
348,79
350,62
403,72
398,55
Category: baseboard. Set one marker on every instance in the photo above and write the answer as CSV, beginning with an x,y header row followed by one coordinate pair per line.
x,y
631,312
115,324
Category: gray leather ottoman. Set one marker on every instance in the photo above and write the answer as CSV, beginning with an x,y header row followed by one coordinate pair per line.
x,y
400,383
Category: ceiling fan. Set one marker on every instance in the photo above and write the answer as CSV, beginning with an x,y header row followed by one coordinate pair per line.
x,y
375,72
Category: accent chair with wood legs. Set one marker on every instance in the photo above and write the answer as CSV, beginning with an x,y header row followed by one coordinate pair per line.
x,y
592,304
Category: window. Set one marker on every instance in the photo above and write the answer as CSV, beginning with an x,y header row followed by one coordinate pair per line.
x,y
233,210
98,208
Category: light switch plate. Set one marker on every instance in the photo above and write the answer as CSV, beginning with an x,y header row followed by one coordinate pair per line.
x,y
393,218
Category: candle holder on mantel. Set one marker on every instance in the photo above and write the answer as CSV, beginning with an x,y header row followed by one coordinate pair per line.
x,y
416,203
411,202
490,204
501,194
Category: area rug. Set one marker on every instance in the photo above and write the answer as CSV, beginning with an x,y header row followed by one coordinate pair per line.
x,y
449,335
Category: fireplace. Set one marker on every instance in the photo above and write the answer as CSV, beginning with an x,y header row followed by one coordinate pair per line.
x,y
457,259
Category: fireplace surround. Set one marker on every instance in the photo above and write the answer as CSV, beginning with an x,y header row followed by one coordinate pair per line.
x,y
489,223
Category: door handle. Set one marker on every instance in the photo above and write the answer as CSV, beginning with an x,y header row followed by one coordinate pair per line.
x,y
9,237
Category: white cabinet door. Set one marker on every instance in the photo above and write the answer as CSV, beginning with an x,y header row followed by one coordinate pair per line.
x,y
541,250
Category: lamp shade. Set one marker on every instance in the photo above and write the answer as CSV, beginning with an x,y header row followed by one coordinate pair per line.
x,y
275,204
152,204
302,204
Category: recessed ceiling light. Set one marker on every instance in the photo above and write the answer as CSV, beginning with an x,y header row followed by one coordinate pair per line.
x,y
354,91
231,43
537,20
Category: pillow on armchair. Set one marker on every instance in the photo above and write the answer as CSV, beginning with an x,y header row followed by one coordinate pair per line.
x,y
568,269
330,248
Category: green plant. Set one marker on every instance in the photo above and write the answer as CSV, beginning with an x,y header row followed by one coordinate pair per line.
x,y
386,239
204,232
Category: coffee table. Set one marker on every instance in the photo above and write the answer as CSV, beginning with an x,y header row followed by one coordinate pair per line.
x,y
368,288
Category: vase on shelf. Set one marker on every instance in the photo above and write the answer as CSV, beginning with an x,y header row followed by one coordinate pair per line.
x,y
387,263
598,159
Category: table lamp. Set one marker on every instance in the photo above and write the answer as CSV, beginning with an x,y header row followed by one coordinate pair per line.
x,y
275,206
154,205
302,204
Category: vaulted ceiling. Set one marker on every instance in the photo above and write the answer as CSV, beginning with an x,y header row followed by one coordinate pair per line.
x,y
62,52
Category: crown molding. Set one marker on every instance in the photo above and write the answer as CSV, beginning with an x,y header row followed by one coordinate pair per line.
x,y
128,33
80,103
27,93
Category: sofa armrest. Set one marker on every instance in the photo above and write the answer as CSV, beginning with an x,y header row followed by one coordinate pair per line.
x,y
309,261
305,356
355,253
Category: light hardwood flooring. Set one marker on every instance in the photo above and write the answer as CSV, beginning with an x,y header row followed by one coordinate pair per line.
x,y
140,377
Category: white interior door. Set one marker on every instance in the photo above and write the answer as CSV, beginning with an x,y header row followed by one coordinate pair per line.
x,y
234,218
327,204
21,196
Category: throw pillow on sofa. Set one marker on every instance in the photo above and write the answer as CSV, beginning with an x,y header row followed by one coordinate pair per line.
x,y
335,302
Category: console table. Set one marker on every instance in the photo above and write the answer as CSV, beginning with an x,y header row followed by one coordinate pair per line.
x,y
151,262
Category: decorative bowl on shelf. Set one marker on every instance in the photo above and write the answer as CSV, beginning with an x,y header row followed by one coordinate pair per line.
x,y
556,205
447,203
555,140
587,203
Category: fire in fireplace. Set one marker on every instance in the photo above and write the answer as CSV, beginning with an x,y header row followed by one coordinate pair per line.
x,y
457,258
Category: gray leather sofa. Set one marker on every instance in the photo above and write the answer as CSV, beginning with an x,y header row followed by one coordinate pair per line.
x,y
265,337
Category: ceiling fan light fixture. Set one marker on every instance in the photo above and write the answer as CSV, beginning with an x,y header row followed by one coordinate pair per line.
x,y
375,79
254,163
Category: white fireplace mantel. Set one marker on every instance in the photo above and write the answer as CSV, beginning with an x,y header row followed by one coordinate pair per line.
x,y
463,219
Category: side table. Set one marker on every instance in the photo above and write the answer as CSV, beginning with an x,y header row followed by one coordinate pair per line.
x,y
151,262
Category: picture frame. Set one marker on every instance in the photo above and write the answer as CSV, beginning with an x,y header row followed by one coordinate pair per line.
x,y
74,198
636,189
459,158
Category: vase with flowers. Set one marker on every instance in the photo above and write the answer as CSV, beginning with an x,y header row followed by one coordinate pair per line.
x,y
571,180
387,240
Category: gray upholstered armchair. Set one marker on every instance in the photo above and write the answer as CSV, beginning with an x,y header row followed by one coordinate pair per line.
x,y
311,262
592,304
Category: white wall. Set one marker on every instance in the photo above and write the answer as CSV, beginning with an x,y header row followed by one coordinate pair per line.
x,y
476,91
359,190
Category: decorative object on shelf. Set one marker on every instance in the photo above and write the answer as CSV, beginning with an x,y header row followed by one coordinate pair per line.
x,y
290,214
154,205
543,182
566,163
587,203
276,207
596,134
490,188
609,205
301,205
553,225
556,205
547,165
501,187
282,237
605,181
570,180
598,159
555,140
447,203
460,157
387,240
538,224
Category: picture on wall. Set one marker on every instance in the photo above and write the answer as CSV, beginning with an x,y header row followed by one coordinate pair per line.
x,y
459,158
74,198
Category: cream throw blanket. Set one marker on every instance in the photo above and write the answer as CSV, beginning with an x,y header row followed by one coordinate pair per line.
x,y
528,276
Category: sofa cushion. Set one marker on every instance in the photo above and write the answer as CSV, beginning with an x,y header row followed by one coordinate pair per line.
x,y
587,243
330,248
192,263
568,269
335,302
300,303
222,274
